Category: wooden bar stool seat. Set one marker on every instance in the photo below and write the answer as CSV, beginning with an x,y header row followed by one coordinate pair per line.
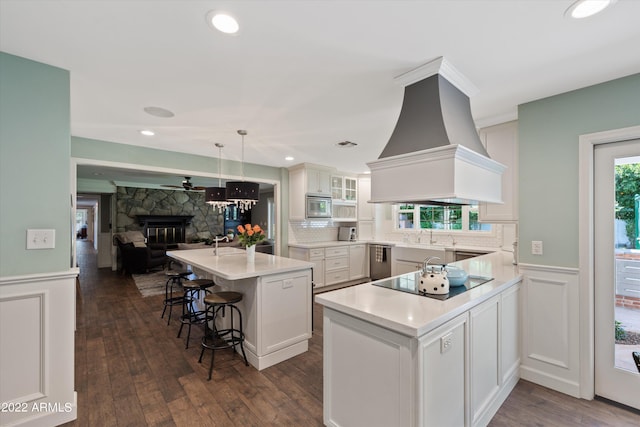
x,y
219,339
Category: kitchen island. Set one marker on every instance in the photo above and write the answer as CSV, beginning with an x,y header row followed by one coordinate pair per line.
x,y
396,358
277,303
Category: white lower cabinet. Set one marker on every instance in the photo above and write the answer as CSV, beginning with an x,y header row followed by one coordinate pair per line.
x,y
442,374
495,353
485,370
334,264
316,256
455,375
357,262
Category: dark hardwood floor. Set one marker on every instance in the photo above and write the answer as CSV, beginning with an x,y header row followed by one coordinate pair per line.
x,y
131,370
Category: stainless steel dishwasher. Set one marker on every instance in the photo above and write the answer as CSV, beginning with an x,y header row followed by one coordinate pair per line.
x,y
379,261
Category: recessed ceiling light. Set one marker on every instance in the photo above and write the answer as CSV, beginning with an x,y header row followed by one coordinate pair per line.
x,y
288,158
367,172
585,8
159,112
222,22
147,132
346,144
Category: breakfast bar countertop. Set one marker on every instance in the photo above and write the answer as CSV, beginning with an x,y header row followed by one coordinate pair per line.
x,y
231,263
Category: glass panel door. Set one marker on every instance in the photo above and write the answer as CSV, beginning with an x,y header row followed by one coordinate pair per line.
x,y
617,271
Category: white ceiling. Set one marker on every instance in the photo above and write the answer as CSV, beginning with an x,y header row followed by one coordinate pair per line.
x,y
301,76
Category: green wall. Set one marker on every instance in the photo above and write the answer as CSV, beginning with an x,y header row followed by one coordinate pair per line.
x,y
548,161
34,164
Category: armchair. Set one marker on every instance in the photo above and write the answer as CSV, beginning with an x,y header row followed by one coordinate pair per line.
x,y
138,256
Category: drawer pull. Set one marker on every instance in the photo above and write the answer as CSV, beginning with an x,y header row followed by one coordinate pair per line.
x,y
632,278
632,290
631,268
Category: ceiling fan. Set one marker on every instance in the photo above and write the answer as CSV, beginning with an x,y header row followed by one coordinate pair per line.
x,y
186,184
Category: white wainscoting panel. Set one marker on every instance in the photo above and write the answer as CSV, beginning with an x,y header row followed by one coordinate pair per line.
x,y
26,333
550,327
37,323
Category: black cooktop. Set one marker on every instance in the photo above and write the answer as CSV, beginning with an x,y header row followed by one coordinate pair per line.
x,y
409,283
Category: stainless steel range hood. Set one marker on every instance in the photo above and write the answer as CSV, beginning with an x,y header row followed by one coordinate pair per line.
x,y
434,155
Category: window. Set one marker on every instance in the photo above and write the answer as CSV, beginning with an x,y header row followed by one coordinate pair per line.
x,y
425,217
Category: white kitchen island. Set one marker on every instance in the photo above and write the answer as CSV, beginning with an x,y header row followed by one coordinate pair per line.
x,y
395,358
277,303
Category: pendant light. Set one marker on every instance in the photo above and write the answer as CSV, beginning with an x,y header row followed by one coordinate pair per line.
x,y
244,194
217,196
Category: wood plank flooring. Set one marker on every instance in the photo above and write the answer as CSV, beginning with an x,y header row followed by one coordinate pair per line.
x,y
131,370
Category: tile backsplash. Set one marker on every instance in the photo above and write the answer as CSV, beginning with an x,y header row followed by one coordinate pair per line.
x,y
310,231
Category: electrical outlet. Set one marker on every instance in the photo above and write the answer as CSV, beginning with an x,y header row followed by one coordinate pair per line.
x,y
41,239
446,342
536,247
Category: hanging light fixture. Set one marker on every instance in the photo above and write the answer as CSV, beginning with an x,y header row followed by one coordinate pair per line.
x,y
217,196
242,193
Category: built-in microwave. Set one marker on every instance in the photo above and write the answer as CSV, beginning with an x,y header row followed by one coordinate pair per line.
x,y
318,207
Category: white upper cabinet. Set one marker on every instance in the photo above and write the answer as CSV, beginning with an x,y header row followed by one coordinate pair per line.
x,y
306,179
366,211
344,189
501,142
318,180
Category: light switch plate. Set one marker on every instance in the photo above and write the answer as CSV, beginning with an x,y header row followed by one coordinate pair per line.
x,y
41,239
536,247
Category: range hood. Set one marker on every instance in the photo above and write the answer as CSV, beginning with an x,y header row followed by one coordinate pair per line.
x,y
435,155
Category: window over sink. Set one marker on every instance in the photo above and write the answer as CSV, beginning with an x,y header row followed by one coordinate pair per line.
x,y
447,218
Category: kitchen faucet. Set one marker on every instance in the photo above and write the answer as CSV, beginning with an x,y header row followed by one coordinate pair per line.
x,y
431,240
453,240
221,239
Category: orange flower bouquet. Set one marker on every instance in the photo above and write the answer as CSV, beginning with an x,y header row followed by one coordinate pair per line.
x,y
250,235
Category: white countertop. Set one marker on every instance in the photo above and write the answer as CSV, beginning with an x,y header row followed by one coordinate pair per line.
x,y
326,244
415,315
331,243
231,263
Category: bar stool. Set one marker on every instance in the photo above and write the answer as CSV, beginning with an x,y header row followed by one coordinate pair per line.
x,y
191,315
218,339
174,278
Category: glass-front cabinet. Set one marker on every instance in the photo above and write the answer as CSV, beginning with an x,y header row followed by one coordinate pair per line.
x,y
344,188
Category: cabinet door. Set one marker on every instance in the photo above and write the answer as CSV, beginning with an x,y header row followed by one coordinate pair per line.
x,y
510,333
297,190
357,262
318,272
442,379
350,189
318,182
286,302
337,187
501,142
484,356
365,210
